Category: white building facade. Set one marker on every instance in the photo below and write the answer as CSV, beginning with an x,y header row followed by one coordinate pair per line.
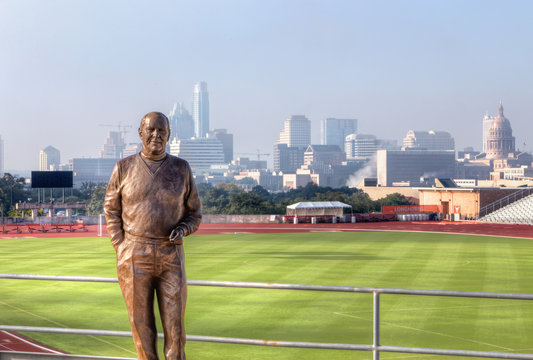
x,y
296,132
199,153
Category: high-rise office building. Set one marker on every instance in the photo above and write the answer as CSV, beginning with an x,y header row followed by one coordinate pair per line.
x,y
199,153
429,140
181,122
296,132
227,142
113,146
334,131
487,123
49,158
288,159
411,166
200,109
95,170
361,146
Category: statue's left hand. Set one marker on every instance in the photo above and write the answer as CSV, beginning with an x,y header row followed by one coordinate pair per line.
x,y
176,236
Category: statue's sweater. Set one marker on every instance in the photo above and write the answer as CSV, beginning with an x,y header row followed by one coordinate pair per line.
x,y
150,205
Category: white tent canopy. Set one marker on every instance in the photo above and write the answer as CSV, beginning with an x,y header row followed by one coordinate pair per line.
x,y
306,208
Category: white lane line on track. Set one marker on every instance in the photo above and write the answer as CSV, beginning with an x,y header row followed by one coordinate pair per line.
x,y
308,229
32,343
65,326
428,331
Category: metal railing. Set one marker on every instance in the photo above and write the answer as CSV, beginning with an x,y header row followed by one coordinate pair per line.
x,y
375,347
506,200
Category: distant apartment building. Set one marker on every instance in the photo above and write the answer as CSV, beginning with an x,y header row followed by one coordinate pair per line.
x,y
296,132
227,142
131,149
249,164
334,131
287,159
429,140
200,109
361,146
181,122
409,167
518,173
49,158
200,153
91,170
113,146
267,179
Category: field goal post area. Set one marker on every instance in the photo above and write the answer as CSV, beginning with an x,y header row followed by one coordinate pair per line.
x,y
376,347
101,224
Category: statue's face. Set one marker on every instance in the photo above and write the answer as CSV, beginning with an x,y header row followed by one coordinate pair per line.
x,y
154,134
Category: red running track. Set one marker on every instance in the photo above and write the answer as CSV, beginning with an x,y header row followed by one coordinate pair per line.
x,y
12,341
17,342
463,227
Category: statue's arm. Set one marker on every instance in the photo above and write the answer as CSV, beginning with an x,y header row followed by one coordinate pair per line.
x,y
113,208
193,208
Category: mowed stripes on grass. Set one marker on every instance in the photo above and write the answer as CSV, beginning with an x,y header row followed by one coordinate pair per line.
x,y
400,260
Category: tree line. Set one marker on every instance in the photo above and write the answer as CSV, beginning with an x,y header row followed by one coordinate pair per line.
x,y
230,199
225,198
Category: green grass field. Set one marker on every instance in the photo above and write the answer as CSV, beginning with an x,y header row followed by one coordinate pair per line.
x,y
384,259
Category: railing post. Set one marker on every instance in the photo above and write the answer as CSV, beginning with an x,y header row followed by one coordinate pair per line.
x,y
376,326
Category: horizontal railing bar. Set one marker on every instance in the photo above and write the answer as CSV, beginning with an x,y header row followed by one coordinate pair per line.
x,y
466,353
292,344
60,278
258,285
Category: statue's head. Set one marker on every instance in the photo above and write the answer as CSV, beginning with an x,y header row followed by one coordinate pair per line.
x,y
154,132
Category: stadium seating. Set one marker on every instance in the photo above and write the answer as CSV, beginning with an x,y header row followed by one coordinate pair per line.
x,y
518,212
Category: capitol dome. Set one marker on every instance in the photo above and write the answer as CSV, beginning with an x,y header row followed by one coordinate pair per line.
x,y
500,141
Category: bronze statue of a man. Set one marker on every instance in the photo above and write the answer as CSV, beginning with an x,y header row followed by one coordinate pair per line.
x,y
151,203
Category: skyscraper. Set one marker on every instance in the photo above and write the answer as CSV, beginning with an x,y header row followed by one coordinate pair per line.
x,y
227,142
181,122
334,131
361,146
200,109
296,132
113,146
487,123
49,158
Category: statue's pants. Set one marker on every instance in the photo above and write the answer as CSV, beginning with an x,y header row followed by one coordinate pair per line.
x,y
146,267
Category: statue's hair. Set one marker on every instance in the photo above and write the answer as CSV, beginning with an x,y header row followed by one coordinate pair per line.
x,y
155,114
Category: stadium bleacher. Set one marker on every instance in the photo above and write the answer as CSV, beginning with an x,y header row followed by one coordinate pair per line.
x,y
518,212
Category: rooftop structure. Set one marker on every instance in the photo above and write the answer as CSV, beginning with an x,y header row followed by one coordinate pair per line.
x,y
429,140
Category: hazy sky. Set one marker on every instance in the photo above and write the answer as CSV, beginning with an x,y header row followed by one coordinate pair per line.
x,y
67,66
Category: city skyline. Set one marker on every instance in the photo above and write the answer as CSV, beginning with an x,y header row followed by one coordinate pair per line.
x,y
393,65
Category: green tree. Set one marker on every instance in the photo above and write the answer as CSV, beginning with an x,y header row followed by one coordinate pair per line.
x,y
96,204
